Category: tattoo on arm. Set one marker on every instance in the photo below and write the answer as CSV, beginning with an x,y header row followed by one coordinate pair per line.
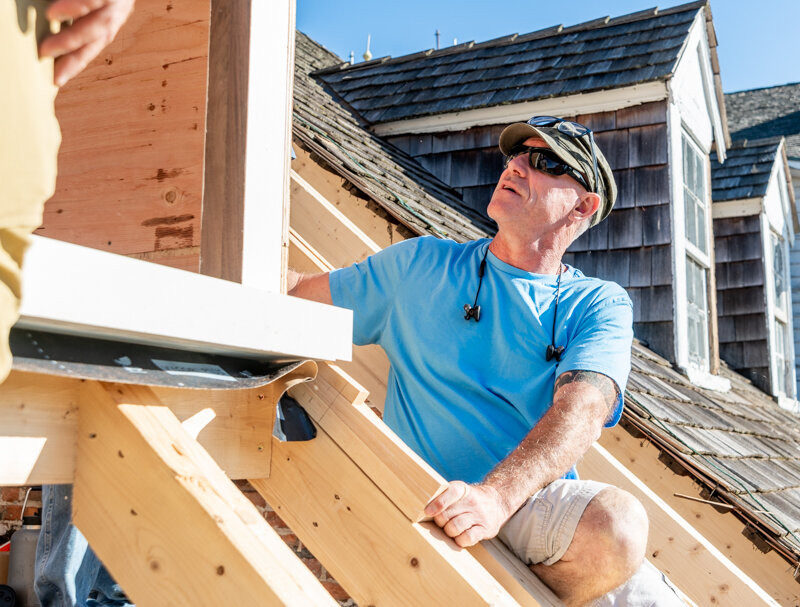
x,y
607,386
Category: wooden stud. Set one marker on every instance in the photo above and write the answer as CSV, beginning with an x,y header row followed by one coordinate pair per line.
x,y
326,228
335,402
39,417
769,571
692,563
247,150
368,544
190,536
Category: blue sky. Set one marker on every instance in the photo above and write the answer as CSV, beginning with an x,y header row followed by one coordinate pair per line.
x,y
759,44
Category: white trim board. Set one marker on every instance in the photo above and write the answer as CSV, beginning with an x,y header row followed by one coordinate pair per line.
x,y
736,208
77,290
572,105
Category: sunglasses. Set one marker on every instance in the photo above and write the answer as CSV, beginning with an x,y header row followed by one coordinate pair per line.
x,y
545,160
574,130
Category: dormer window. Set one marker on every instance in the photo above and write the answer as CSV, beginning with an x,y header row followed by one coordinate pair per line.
x,y
696,215
781,362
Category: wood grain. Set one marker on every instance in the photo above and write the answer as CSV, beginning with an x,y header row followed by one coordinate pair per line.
x,y
131,161
190,536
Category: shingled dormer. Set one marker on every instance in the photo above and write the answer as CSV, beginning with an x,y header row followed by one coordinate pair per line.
x,y
754,225
647,84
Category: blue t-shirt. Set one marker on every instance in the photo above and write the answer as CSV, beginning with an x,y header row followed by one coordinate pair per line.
x,y
464,394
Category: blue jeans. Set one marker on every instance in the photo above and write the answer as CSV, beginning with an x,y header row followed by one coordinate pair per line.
x,y
68,573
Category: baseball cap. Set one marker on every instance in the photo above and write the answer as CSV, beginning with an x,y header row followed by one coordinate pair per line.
x,y
575,150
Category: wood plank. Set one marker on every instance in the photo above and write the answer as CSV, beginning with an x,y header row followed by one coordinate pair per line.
x,y
367,544
39,417
340,241
369,363
370,218
336,406
691,562
74,289
247,152
188,533
401,475
724,530
131,160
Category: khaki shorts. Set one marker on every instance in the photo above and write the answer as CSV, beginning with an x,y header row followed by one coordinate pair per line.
x,y
542,530
29,140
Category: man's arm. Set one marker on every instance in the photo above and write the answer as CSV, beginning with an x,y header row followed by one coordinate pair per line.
x,y
582,401
315,287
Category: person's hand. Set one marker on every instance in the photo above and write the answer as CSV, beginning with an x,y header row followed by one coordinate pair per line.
x,y
468,513
94,25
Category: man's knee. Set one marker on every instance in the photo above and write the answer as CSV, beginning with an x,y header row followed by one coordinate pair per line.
x,y
614,526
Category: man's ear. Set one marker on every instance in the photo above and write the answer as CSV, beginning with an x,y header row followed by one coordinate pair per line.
x,y
586,207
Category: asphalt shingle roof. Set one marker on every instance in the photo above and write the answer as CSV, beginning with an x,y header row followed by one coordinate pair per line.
x,y
601,54
766,112
746,171
383,172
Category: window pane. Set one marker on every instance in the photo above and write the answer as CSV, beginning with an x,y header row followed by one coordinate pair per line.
x,y
779,354
694,195
697,313
779,272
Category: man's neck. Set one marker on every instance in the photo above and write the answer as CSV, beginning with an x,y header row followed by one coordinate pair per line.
x,y
537,257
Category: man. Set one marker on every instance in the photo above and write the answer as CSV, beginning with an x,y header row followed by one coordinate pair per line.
x,y
504,397
35,62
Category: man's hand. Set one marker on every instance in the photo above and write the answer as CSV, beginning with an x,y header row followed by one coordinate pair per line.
x,y
94,25
469,513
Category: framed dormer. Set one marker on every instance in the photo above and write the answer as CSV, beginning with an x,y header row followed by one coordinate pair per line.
x,y
696,124
754,227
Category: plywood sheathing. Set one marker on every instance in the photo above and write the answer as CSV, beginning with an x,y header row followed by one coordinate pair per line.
x,y
133,123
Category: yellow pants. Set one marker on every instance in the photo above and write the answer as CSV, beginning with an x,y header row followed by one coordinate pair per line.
x,y
29,140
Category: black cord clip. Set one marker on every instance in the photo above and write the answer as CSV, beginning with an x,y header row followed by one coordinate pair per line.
x,y
554,352
472,312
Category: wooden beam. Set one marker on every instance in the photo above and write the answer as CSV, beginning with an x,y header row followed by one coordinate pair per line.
x,y
366,214
39,421
340,241
367,543
334,401
369,362
724,530
247,152
73,289
188,533
676,548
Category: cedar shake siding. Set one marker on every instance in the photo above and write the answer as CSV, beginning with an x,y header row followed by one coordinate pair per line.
x,y
632,246
741,300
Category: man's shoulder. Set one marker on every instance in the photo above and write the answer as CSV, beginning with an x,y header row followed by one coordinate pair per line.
x,y
599,291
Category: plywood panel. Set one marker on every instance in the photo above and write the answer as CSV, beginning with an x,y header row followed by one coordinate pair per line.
x,y
133,123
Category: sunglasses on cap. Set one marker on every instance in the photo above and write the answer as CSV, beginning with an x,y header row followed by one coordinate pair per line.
x,y
574,130
545,160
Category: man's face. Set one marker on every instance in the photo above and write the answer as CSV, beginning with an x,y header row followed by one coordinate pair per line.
x,y
526,198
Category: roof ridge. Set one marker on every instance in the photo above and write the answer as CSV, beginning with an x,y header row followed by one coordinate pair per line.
x,y
542,33
764,88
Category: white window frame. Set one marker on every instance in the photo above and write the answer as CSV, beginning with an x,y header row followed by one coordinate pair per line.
x,y
686,251
778,315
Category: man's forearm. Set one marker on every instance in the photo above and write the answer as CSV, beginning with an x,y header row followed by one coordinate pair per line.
x,y
315,287
560,439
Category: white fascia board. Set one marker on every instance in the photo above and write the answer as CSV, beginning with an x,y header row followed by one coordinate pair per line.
x,y
268,135
694,61
572,105
736,208
776,203
82,291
